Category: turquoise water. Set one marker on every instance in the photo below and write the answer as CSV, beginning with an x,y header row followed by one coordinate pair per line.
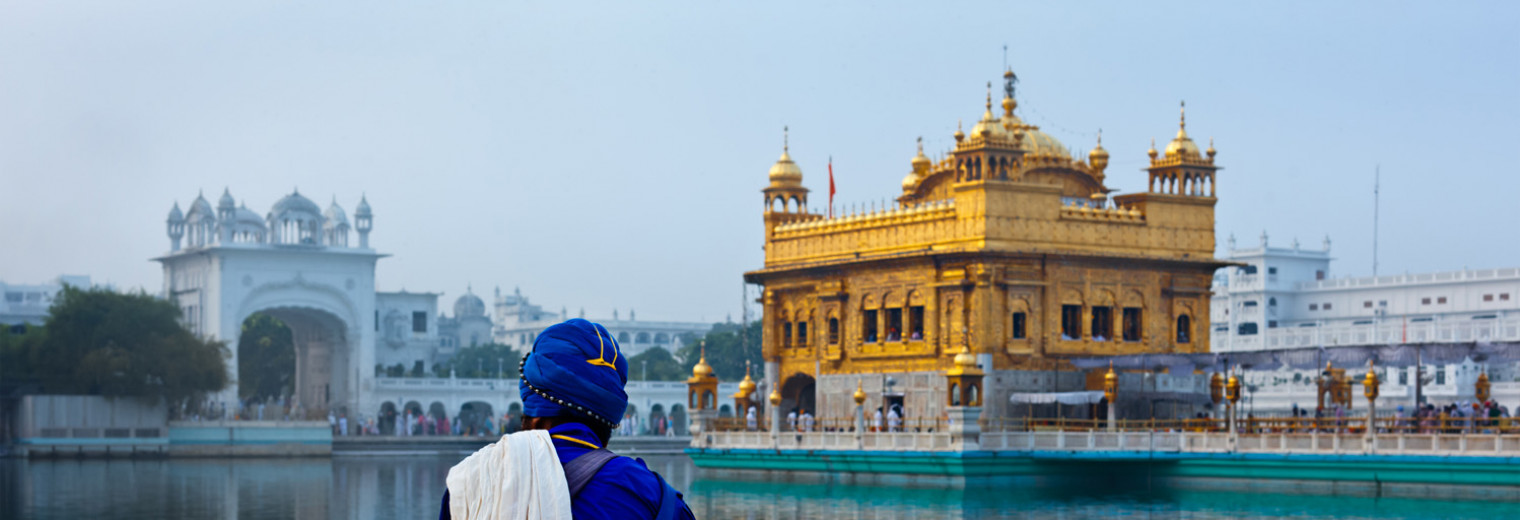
x,y
410,487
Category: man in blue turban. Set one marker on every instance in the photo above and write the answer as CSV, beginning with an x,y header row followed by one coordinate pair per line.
x,y
558,465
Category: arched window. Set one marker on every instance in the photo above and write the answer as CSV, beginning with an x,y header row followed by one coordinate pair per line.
x,y
833,331
1184,329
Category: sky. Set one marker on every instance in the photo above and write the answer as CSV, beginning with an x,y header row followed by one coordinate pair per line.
x,y
606,155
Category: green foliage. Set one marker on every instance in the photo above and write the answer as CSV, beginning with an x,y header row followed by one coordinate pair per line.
x,y
396,370
107,343
728,347
482,361
656,364
266,358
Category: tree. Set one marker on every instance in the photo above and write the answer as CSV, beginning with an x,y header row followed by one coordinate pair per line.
x,y
656,364
266,358
728,347
482,361
102,342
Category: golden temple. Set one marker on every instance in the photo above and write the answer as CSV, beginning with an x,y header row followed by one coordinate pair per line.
x,y
1009,247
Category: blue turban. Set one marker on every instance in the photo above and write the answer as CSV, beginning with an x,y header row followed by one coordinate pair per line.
x,y
575,369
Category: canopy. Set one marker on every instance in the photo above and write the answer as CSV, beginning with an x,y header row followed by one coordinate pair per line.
x,y
1069,398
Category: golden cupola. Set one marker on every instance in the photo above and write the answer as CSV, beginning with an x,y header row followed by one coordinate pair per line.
x,y
785,173
702,371
785,195
990,127
746,387
1182,146
1098,157
921,165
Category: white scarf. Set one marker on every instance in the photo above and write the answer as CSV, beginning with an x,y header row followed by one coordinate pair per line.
x,y
516,478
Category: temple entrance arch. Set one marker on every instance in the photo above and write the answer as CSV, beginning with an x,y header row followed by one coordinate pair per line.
x,y
320,355
799,393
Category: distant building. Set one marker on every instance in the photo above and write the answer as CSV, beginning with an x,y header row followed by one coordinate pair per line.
x,y
469,326
518,322
298,264
29,304
1286,298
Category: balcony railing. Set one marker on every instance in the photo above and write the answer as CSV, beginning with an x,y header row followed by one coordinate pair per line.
x,y
1390,332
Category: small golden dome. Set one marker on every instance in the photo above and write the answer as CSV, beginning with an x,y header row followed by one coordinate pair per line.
x,y
1211,150
860,393
775,397
747,386
964,363
920,161
964,358
1182,145
785,172
1098,152
909,181
959,135
702,369
1152,152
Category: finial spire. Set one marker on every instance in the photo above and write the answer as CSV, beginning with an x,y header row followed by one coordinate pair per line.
x,y
1183,122
1100,137
786,145
920,145
989,97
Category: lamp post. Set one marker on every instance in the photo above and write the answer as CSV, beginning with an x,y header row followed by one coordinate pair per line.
x,y
1232,394
1370,389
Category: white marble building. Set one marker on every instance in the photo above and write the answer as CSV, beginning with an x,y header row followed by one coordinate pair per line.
x,y
1286,297
518,322
28,304
296,263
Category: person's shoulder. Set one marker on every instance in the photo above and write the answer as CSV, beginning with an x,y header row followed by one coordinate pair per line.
x,y
629,469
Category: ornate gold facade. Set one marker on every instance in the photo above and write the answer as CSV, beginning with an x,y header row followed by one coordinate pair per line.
x,y
1008,245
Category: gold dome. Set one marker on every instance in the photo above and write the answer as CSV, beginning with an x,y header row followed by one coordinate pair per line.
x,y
747,386
965,363
1098,152
785,172
775,397
1182,145
909,181
702,370
860,393
1036,142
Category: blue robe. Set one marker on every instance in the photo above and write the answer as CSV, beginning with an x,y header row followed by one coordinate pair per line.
x,y
624,489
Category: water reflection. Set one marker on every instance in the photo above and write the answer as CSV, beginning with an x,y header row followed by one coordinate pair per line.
x,y
410,487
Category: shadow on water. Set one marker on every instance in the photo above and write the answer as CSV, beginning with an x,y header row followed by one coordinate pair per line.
x,y
410,487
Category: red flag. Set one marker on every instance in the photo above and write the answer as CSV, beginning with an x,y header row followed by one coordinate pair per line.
x,y
831,186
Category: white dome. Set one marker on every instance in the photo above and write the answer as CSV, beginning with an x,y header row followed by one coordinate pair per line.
x,y
335,215
295,203
175,215
468,306
363,209
200,210
245,216
226,200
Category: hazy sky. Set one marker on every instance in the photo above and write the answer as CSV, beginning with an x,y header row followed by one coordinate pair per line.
x,y
605,156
